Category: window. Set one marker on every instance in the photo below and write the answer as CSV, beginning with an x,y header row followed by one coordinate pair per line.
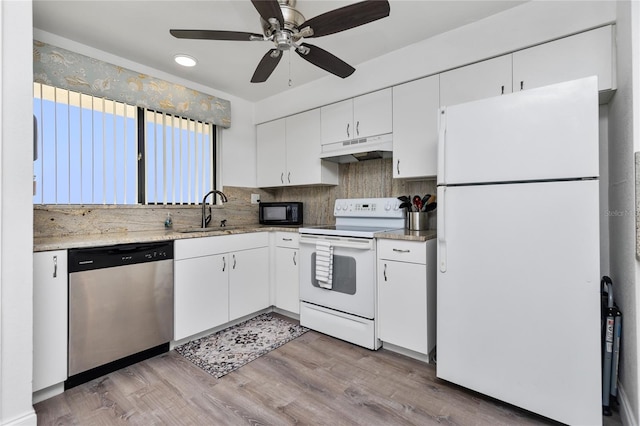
x,y
96,151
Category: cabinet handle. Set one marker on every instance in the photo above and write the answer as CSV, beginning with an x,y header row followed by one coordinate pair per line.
x,y
358,128
294,258
348,131
385,272
401,251
289,177
522,85
502,91
224,263
282,177
234,261
287,239
55,266
398,166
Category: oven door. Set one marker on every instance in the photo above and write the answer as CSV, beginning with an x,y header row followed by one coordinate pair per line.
x,y
354,281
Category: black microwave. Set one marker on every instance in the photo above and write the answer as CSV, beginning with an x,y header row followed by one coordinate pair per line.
x,y
285,213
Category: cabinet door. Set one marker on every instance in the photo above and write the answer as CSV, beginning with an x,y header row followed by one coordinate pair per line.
x,y
415,128
248,282
337,121
271,148
201,294
372,114
582,55
484,79
303,148
49,318
402,305
287,279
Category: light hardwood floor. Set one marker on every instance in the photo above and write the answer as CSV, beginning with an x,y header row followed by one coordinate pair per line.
x,y
314,379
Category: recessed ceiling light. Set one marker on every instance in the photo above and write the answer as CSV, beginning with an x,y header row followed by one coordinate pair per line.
x,y
185,60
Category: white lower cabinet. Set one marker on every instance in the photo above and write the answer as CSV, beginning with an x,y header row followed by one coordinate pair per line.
x,y
248,282
287,291
407,294
219,279
201,294
49,318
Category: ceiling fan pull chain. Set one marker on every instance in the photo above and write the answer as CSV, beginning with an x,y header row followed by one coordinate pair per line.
x,y
290,82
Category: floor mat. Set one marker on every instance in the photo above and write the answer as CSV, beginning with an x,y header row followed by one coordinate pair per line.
x,y
229,349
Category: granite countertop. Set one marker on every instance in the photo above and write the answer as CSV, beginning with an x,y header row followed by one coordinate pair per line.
x,y
407,235
107,239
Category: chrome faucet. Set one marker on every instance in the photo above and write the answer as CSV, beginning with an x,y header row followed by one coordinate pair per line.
x,y
205,219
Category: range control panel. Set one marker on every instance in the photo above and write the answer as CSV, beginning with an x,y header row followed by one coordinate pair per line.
x,y
368,207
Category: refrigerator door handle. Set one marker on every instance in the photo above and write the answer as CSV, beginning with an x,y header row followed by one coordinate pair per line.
x,y
441,227
442,134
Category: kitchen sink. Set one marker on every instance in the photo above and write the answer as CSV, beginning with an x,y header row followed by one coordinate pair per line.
x,y
210,229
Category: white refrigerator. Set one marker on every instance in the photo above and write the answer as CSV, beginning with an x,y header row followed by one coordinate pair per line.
x,y
518,302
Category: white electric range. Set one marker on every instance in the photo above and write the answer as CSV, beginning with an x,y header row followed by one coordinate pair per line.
x,y
344,306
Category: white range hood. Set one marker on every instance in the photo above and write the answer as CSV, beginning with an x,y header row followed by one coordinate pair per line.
x,y
361,149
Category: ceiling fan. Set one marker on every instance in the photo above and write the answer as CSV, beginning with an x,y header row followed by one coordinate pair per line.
x,y
285,27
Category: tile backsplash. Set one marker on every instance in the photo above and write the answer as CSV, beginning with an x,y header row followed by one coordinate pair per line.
x,y
371,178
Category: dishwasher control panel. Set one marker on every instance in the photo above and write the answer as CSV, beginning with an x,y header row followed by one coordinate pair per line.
x,y
118,255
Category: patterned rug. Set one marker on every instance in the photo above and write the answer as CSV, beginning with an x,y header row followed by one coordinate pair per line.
x,y
229,349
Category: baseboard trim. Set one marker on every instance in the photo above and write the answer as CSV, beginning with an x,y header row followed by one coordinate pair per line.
x,y
626,414
28,419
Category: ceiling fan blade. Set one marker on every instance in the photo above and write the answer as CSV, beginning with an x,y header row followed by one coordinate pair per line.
x,y
347,17
216,35
325,60
266,66
269,9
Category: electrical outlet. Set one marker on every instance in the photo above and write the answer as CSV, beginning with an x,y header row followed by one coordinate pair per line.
x,y
255,198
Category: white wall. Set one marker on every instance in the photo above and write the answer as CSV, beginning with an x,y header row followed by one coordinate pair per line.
x,y
516,28
238,142
16,213
624,266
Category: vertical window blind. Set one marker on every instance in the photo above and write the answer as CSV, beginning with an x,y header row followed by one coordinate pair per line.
x,y
92,152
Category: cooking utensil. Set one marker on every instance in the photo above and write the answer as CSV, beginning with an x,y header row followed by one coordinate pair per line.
x,y
425,199
430,207
404,199
417,202
405,205
432,199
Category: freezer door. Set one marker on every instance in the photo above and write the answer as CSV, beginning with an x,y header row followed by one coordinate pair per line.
x,y
545,133
518,298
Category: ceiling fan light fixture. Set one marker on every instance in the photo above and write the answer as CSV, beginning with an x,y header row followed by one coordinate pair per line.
x,y
185,60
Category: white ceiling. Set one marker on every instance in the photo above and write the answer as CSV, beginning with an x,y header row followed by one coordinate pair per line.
x,y
139,31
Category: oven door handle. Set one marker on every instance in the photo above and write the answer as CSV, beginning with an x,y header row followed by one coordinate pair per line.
x,y
352,243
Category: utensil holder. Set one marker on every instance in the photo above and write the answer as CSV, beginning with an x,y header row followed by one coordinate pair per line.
x,y
417,221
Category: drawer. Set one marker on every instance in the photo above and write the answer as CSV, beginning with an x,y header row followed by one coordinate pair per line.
x,y
403,251
206,246
287,239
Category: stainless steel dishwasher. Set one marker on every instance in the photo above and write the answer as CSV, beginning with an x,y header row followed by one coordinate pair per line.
x,y
120,307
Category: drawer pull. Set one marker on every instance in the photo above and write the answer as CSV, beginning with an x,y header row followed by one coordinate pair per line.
x,y
287,239
401,251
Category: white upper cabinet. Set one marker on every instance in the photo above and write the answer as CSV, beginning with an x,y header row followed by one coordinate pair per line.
x,y
271,153
289,152
304,166
582,55
476,81
372,114
415,128
360,117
